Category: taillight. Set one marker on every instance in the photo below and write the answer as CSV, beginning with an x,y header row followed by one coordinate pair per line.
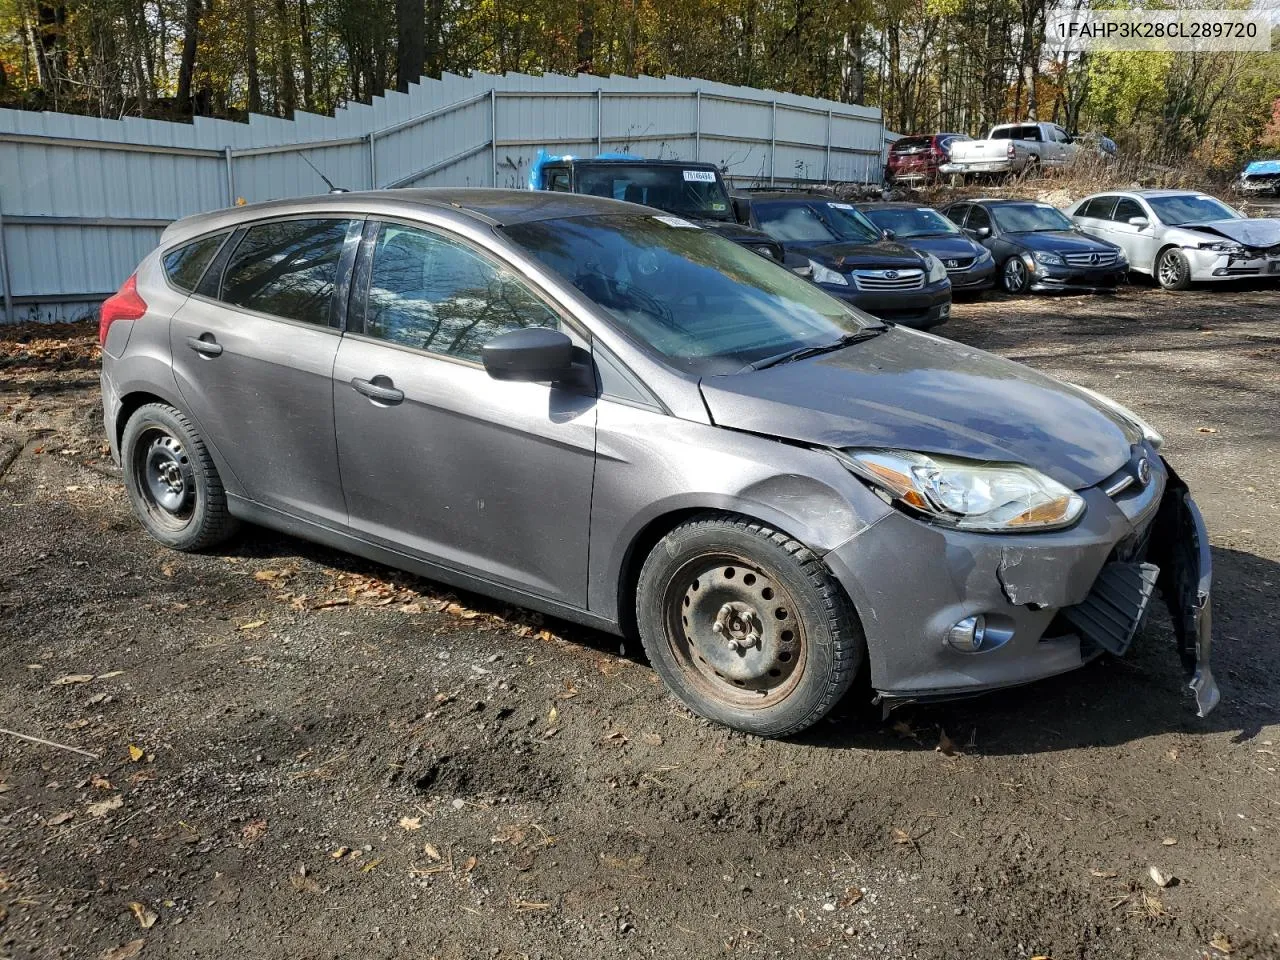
x,y
124,304
1009,151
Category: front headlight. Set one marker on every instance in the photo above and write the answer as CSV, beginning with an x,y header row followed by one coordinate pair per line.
x,y
1223,246
823,274
967,494
1051,259
984,256
1149,433
1121,256
936,270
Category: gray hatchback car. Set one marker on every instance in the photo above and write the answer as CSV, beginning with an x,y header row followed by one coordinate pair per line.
x,y
600,411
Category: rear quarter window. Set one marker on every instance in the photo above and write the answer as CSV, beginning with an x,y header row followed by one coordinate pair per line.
x,y
186,265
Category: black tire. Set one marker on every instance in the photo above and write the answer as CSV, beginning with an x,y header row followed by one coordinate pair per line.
x,y
171,480
1014,276
1173,270
788,647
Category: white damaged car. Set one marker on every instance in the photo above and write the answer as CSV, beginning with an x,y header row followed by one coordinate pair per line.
x,y
1181,237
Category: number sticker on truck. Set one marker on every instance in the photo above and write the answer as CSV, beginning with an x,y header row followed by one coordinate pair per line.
x,y
700,176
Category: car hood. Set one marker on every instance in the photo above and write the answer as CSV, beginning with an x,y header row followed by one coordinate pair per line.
x,y
846,256
914,391
1255,232
1059,241
950,246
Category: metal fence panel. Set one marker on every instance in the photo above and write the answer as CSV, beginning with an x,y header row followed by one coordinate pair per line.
x,y
82,199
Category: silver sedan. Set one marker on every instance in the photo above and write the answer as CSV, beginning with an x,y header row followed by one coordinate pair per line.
x,y
1181,237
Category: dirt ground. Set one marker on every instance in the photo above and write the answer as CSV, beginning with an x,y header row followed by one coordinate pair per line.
x,y
300,754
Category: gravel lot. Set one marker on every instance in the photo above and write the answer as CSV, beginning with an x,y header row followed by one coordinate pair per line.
x,y
304,755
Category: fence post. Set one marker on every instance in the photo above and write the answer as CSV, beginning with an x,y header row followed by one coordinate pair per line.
x,y
599,120
231,176
493,131
697,125
826,169
373,163
5,277
773,137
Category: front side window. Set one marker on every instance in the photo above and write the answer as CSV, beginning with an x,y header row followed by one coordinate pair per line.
x,y
557,180
287,268
185,266
1029,218
978,218
956,212
701,301
1127,208
432,293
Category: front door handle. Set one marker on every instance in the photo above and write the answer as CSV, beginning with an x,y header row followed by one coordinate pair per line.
x,y
380,389
205,345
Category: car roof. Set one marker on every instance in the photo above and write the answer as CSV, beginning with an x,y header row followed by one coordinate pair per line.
x,y
495,207
633,161
1144,193
890,205
799,196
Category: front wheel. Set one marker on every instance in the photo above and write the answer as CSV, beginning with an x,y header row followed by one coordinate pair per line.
x,y
1014,276
1173,270
171,480
747,626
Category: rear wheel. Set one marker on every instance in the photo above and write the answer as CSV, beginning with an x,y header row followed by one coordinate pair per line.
x,y
171,480
1014,276
1173,270
747,626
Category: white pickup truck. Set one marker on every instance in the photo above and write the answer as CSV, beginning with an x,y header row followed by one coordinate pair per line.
x,y
1011,148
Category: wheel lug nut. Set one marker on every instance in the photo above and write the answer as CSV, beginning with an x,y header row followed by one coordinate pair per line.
x,y
717,627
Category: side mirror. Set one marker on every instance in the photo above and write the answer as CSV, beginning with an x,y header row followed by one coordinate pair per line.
x,y
534,355
1139,222
742,209
979,233
890,235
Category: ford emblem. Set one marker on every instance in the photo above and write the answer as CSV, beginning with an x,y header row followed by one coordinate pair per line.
x,y
891,274
1144,471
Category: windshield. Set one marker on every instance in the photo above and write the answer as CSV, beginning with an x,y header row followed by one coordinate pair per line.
x,y
908,222
1177,211
1029,218
701,301
690,193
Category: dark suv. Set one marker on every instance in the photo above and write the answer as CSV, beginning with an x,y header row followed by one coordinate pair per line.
x,y
918,158
693,191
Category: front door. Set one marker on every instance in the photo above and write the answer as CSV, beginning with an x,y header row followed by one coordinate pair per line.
x,y
254,363
1138,243
438,459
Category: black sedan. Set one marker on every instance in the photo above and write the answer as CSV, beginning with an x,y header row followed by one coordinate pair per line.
x,y
969,264
848,257
1037,248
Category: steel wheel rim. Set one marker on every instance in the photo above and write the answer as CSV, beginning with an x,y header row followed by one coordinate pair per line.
x,y
1170,270
164,479
1014,275
734,631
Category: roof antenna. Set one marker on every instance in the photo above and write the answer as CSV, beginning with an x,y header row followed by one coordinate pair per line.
x,y
327,182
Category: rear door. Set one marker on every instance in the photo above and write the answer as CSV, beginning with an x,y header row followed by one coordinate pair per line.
x,y
1094,215
438,459
253,353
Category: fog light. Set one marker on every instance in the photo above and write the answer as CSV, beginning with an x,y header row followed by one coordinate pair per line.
x,y
967,635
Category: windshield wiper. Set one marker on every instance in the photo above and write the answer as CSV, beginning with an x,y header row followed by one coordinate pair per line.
x,y
801,353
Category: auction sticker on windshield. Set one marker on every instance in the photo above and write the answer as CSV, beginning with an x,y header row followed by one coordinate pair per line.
x,y
841,206
677,222
700,176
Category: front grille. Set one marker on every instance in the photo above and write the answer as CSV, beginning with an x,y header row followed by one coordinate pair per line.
x,y
1090,259
957,264
888,279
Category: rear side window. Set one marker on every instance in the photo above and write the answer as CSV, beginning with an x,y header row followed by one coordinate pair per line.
x,y
288,268
186,265
1099,208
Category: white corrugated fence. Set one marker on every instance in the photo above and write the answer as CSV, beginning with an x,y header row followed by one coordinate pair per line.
x,y
82,200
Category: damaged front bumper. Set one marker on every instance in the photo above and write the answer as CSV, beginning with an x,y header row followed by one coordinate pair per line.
x,y
1050,602
1207,265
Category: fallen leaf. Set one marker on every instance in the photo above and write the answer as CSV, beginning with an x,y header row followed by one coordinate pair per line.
x,y
901,836
253,830
553,715
522,906
410,608
5,788
168,570
946,746
652,739
336,602
304,884
411,823
136,754
852,897
1105,874
131,949
145,916
431,851
903,729
340,853
468,865
105,807
108,676
1159,877
72,678
509,834
1222,943
370,866
1168,841
266,576
1206,429
252,625
99,782
58,819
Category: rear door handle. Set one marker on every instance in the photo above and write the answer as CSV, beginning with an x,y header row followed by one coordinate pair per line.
x,y
205,345
384,392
